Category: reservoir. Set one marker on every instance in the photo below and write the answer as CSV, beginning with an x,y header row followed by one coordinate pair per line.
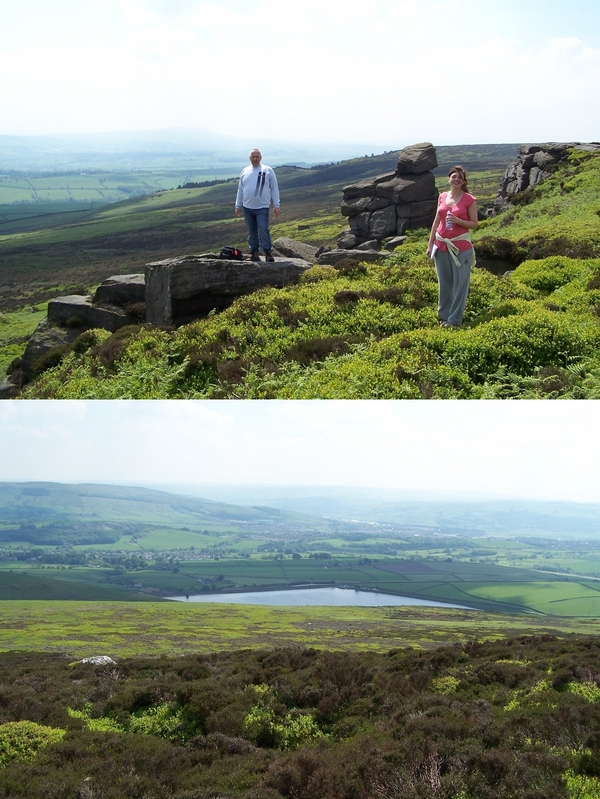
x,y
315,596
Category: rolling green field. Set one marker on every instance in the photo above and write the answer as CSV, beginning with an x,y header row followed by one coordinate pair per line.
x,y
24,198
72,541
490,588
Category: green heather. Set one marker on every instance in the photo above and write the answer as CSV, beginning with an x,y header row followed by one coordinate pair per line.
x,y
370,331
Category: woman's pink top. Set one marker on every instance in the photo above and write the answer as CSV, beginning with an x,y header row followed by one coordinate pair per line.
x,y
460,210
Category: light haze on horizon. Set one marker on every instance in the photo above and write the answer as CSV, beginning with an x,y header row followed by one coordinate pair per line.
x,y
531,450
390,74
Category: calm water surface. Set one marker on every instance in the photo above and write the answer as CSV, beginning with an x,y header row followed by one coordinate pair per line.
x,y
315,596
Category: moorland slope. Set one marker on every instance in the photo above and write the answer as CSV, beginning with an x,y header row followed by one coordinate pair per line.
x,y
56,252
371,331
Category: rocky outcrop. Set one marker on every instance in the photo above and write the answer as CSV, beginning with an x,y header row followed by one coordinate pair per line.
x,y
179,290
117,302
388,205
535,163
45,338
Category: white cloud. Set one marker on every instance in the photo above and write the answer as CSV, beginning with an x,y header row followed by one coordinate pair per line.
x,y
533,449
404,71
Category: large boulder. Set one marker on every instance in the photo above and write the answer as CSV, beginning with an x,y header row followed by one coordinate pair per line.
x,y
290,248
179,290
365,188
417,158
408,188
333,257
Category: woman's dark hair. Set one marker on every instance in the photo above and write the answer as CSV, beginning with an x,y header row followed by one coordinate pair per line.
x,y
462,172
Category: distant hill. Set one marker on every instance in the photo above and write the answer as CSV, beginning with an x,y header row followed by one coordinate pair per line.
x,y
505,517
51,514
56,514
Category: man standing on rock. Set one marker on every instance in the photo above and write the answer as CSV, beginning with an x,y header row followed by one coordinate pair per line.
x,y
257,189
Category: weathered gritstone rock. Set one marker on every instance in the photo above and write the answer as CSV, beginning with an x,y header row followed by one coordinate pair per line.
x,y
290,248
534,165
333,257
121,290
179,290
79,311
44,338
388,205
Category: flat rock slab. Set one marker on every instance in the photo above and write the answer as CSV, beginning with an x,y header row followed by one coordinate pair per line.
x,y
332,257
78,311
121,290
180,290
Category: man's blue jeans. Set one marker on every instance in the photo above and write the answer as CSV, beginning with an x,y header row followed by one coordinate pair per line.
x,y
257,222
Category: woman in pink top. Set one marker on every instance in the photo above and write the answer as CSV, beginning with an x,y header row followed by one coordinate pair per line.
x,y
451,249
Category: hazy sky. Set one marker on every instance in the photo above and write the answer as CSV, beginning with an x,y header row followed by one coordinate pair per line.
x,y
388,72
545,450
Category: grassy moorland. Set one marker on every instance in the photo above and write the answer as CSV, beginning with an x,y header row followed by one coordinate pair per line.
x,y
370,331
515,718
87,628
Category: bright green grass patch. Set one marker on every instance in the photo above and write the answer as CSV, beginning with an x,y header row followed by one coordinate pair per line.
x,y
561,598
318,228
15,329
166,539
121,629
